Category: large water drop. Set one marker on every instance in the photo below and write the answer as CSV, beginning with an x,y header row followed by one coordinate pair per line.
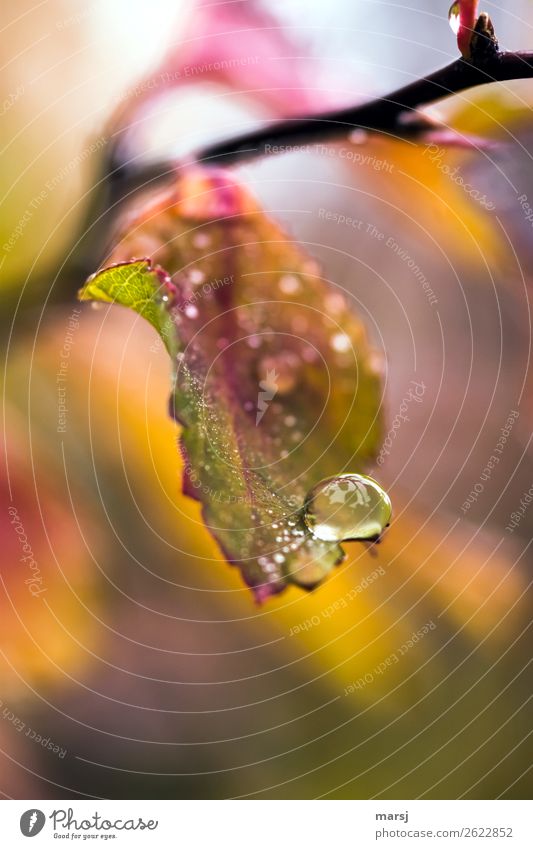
x,y
347,507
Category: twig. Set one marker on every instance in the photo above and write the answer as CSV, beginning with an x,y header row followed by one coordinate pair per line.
x,y
393,114
384,114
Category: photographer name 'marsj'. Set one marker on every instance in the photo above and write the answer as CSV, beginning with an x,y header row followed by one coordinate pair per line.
x,y
64,819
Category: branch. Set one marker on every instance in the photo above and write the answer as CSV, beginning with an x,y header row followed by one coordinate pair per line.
x,y
381,115
392,114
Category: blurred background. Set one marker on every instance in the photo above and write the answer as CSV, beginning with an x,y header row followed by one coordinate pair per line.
x,y
133,661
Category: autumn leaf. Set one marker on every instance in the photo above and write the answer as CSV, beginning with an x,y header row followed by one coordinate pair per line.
x,y
274,381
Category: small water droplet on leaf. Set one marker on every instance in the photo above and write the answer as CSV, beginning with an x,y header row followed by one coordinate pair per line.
x,y
341,342
454,17
347,507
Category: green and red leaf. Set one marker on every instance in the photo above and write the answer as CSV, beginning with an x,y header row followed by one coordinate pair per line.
x,y
275,384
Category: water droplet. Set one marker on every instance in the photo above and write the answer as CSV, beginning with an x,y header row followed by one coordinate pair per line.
x,y
196,276
289,284
201,240
341,342
191,311
280,372
358,136
347,507
454,17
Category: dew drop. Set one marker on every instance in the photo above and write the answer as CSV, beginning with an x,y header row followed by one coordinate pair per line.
x,y
191,311
289,284
341,342
334,303
201,240
347,507
358,136
196,276
454,17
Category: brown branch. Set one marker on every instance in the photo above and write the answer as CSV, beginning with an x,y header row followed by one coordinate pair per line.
x,y
384,114
389,114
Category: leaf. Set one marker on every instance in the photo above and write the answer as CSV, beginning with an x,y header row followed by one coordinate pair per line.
x,y
274,381
131,285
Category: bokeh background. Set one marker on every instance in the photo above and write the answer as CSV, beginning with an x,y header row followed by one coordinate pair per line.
x,y
137,664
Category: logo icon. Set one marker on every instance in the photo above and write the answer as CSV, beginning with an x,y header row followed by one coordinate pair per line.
x,y
32,822
268,387
342,491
